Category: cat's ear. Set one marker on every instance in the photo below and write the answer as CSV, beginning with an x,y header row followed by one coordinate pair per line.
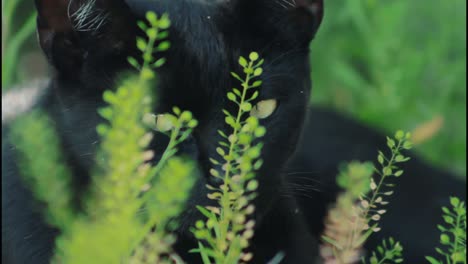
x,y
294,19
55,33
63,25
308,14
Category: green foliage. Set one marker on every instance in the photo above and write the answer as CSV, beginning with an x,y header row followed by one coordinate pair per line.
x,y
128,210
164,203
389,252
128,194
156,32
374,203
225,234
343,236
14,41
355,180
400,59
381,60
42,166
453,237
349,224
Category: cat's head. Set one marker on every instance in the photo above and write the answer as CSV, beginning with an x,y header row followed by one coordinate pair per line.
x,y
88,41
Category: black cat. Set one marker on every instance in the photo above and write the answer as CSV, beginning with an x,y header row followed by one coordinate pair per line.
x,y
87,44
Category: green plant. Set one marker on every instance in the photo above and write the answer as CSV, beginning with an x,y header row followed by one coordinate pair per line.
x,y
13,42
373,204
349,224
344,236
453,237
166,199
225,234
124,183
130,203
389,251
140,200
43,168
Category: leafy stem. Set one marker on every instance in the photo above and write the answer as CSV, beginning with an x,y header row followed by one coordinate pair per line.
x,y
228,229
225,199
384,174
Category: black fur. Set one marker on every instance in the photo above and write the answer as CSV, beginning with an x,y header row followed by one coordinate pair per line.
x,y
207,39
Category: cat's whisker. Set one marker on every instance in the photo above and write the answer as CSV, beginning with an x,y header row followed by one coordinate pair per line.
x,y
285,4
86,154
303,187
303,173
87,17
304,177
282,55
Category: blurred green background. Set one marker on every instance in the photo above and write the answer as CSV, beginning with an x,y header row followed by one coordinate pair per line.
x,y
393,64
398,64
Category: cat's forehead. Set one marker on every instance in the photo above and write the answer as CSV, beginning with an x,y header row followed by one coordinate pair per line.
x,y
196,26
207,37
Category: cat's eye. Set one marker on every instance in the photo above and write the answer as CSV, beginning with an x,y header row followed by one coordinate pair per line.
x,y
264,109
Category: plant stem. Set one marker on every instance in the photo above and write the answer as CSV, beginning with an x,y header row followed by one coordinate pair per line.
x,y
455,246
382,179
225,198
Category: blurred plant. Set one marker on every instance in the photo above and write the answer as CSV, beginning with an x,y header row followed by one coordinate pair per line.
x,y
43,168
350,223
225,235
124,184
345,223
128,211
13,42
453,237
166,201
